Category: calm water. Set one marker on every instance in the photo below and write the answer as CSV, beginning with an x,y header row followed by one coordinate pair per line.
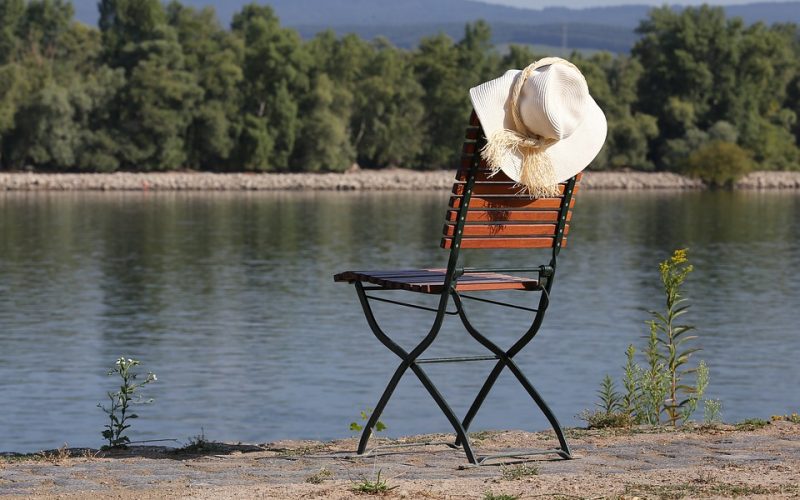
x,y
230,300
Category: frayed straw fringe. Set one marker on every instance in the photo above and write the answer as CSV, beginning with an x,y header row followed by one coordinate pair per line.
x,y
537,174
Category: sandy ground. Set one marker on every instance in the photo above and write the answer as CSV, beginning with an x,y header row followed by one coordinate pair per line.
x,y
720,462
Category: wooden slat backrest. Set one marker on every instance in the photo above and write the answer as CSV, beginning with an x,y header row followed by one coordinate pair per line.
x,y
499,214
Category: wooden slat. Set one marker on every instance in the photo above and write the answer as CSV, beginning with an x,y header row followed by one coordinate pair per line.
x,y
477,287
483,175
432,280
503,242
473,119
510,203
498,230
473,133
508,215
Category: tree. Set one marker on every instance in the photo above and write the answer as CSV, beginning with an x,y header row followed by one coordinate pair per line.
x,y
445,100
388,116
215,57
701,68
154,109
275,72
125,25
11,12
324,139
612,82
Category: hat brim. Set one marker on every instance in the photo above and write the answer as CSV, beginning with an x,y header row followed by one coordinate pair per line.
x,y
569,156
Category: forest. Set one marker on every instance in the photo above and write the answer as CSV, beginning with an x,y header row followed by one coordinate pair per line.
x,y
166,87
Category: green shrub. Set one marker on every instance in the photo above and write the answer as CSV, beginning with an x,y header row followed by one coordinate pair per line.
x,y
719,164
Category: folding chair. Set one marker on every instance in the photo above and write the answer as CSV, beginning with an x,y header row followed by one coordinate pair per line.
x,y
485,212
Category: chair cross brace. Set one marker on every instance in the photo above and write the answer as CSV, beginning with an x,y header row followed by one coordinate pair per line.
x,y
411,360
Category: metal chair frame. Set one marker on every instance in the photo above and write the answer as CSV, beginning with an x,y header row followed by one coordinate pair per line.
x,y
504,358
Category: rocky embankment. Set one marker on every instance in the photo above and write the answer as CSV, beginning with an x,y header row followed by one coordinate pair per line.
x,y
372,180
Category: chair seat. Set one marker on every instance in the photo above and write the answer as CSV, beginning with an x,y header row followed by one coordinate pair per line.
x,y
432,280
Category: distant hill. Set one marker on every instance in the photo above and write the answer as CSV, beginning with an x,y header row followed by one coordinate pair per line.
x,y
405,21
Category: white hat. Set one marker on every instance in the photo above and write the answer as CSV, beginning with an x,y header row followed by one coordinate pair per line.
x,y
556,113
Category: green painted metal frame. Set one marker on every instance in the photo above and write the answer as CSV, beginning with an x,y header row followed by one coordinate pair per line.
x,y
504,359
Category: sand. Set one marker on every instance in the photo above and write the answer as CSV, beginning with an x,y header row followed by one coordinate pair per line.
x,y
723,461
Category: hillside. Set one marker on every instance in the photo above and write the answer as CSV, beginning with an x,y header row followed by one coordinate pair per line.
x,y
606,28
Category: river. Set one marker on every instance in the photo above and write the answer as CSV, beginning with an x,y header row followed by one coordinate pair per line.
x,y
229,299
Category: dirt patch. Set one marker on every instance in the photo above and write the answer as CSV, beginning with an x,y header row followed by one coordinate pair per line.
x,y
720,462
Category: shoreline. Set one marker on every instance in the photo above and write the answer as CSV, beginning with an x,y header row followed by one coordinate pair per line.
x,y
749,459
360,180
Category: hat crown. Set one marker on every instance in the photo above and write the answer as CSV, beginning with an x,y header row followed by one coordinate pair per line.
x,y
553,101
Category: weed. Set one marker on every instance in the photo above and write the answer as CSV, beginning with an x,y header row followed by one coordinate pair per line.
x,y
319,476
199,445
610,400
659,388
57,456
365,414
672,336
612,412
519,471
751,424
122,400
712,411
377,487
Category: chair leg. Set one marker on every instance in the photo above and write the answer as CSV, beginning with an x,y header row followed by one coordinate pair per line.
x,y
408,361
506,360
461,433
376,413
476,404
562,441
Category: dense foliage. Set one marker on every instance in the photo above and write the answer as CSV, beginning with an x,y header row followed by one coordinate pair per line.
x,y
166,87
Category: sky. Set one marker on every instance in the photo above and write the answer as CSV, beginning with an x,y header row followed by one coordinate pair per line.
x,y
538,4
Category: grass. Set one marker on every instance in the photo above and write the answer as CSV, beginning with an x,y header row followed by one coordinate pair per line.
x,y
751,424
53,456
481,435
299,452
377,487
499,496
519,471
793,418
727,490
199,445
319,476
604,420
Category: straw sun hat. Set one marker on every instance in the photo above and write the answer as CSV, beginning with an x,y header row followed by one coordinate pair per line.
x,y
541,124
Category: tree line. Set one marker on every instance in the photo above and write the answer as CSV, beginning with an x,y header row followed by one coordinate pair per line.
x,y
162,87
